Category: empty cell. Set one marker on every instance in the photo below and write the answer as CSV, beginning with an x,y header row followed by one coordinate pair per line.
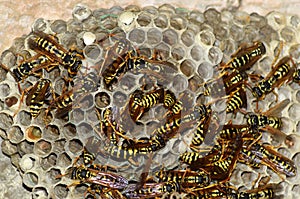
x,y
178,52
161,21
69,130
8,148
178,22
81,12
40,192
215,55
206,37
154,36
61,191
143,19
170,36
51,175
24,118
180,83
188,37
49,161
119,98
197,52
76,116
137,36
42,148
63,160
15,134
93,52
75,146
25,147
187,67
59,26
288,34
30,179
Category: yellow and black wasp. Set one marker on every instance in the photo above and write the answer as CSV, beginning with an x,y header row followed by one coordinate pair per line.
x,y
281,72
44,44
246,56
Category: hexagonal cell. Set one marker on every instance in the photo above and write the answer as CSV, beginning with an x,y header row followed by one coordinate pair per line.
x,y
197,52
163,50
180,84
25,147
212,16
102,99
205,70
81,12
30,179
40,192
154,36
293,111
178,22
51,176
187,67
28,162
15,134
40,25
33,134
206,37
48,161
10,101
6,121
8,59
4,90
59,26
24,118
221,31
137,36
69,130
194,83
51,132
61,191
215,55
77,115
75,146
178,52
93,53
63,160
42,148
8,148
288,34
170,36
119,98
127,83
188,37
143,19
161,21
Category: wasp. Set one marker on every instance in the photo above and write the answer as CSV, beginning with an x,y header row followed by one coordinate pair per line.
x,y
268,118
95,176
115,61
275,160
266,192
184,177
103,192
216,191
296,76
44,44
64,102
237,100
225,83
196,160
246,57
135,105
37,96
222,169
140,103
110,128
201,130
278,75
169,99
29,66
150,190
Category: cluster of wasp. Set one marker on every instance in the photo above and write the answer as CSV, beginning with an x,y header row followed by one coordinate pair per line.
x,y
202,176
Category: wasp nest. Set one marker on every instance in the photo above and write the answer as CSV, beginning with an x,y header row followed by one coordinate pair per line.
x,y
45,147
